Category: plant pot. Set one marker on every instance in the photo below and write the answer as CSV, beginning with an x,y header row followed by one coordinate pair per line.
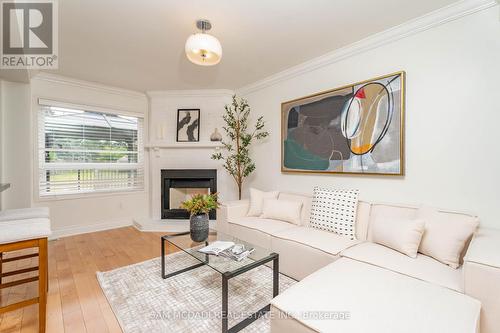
x,y
198,227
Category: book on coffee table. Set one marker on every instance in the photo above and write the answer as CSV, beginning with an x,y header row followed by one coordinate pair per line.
x,y
216,247
236,255
227,249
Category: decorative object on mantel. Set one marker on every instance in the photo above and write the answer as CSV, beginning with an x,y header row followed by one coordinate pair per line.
x,y
216,136
198,207
4,186
188,125
161,131
201,48
355,129
237,161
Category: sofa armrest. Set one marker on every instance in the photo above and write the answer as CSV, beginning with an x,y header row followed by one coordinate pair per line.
x,y
482,276
228,211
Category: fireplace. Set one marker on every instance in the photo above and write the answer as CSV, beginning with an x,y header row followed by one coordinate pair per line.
x,y
177,185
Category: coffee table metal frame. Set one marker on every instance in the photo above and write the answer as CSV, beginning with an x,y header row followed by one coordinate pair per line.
x,y
226,276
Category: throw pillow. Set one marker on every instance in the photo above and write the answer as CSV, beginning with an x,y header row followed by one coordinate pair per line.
x,y
334,210
257,200
283,210
444,239
400,235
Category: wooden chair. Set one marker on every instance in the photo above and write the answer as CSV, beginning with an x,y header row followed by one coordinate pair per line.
x,y
25,234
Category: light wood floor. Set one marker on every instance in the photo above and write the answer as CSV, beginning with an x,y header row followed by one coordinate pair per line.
x,y
75,300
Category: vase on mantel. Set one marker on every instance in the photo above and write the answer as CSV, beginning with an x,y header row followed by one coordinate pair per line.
x,y
216,136
198,227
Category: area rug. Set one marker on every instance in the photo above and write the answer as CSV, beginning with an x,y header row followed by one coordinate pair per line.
x,y
189,302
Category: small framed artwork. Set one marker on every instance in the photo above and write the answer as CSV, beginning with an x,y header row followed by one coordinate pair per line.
x,y
188,125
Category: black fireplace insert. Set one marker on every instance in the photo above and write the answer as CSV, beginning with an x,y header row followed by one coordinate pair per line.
x,y
178,185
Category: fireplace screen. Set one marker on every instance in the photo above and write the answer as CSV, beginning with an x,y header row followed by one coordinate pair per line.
x,y
178,195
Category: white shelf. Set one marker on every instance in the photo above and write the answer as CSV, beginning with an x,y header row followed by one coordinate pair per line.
x,y
183,145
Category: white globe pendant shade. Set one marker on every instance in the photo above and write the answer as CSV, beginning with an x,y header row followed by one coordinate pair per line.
x,y
203,49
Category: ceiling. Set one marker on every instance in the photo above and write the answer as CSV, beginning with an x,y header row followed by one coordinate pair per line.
x,y
139,45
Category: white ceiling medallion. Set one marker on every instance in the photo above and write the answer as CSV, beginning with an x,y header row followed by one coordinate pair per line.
x,y
201,48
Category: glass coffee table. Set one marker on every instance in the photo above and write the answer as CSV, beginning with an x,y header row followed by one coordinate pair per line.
x,y
228,268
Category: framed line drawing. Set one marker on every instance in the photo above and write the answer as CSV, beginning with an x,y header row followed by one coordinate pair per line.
x,y
188,125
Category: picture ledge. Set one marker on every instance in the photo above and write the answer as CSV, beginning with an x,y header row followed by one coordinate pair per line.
x,y
177,145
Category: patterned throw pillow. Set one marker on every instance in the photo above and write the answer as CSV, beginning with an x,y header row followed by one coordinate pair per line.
x,y
335,211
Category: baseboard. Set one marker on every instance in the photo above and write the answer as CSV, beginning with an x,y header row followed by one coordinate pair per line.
x,y
84,229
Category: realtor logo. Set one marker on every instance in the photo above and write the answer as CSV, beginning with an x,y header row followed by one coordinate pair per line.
x,y
29,34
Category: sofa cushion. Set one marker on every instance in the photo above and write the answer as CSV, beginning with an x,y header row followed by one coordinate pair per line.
x,y
283,210
257,198
362,213
452,219
375,300
403,235
268,226
325,241
389,211
24,213
445,238
335,210
306,205
257,230
24,229
422,267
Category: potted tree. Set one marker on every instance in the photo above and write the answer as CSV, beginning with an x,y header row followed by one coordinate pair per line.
x,y
198,207
236,149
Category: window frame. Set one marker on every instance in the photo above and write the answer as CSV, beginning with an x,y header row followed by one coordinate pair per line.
x,y
38,103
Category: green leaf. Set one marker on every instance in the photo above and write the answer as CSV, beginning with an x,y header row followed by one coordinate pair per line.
x,y
201,203
237,161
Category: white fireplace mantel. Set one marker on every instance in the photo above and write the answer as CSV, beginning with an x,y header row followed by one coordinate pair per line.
x,y
183,145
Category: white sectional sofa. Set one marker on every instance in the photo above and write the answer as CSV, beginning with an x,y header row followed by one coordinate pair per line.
x,y
335,273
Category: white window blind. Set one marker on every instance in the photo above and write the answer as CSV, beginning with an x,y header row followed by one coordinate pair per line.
x,y
86,151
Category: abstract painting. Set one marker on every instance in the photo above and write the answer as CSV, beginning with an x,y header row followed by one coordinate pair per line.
x,y
188,125
355,129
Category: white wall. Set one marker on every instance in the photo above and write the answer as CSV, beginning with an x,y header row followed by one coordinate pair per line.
x,y
163,118
18,109
89,212
452,117
15,141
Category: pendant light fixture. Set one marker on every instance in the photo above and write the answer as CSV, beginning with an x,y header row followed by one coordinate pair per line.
x,y
201,48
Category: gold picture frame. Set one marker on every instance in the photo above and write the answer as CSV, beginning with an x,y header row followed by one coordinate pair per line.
x,y
361,120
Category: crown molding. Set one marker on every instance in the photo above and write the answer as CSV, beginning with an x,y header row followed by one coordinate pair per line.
x,y
59,79
412,27
191,93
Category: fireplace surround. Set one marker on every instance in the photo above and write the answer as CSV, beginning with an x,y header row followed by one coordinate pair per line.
x,y
178,185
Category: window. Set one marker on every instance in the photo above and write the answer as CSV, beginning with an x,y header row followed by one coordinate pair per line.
x,y
87,152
